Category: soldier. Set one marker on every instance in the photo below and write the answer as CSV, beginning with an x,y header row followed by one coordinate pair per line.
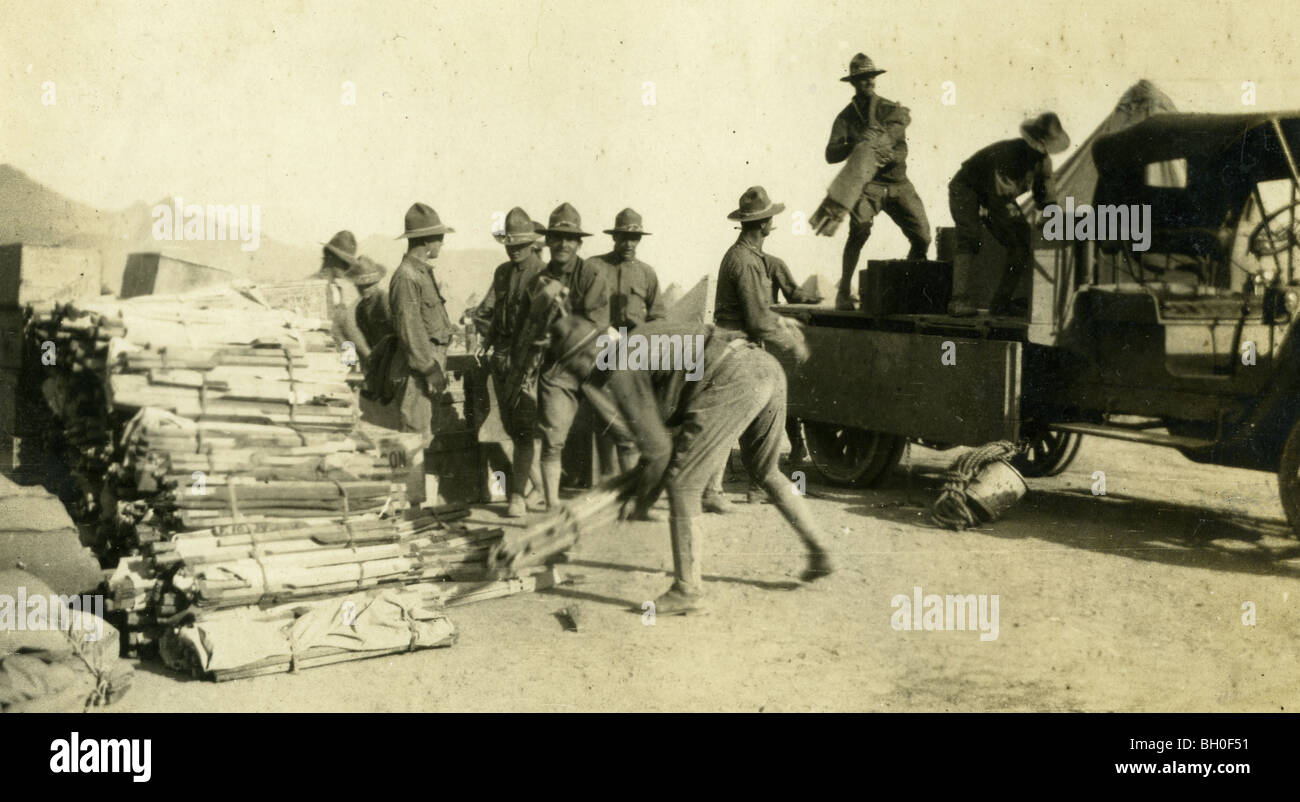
x,y
633,285
585,294
420,319
743,300
889,191
497,320
633,294
741,395
338,256
371,314
988,184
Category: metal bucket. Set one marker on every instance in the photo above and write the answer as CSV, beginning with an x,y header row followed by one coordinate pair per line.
x,y
994,490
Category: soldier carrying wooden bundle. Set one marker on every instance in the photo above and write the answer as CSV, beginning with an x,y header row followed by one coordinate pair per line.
x,y
871,134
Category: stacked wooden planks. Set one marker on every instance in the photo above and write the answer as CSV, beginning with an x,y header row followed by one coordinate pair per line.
x,y
221,465
210,388
262,562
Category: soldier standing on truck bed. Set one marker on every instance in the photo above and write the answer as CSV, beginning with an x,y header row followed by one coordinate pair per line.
x,y
890,190
982,198
741,395
497,320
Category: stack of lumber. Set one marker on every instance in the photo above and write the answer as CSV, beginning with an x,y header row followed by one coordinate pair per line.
x,y
259,562
178,409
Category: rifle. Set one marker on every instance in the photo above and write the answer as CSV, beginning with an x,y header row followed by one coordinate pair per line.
x,y
547,303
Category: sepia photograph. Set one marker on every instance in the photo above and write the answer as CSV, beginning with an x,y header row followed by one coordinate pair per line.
x,y
554,356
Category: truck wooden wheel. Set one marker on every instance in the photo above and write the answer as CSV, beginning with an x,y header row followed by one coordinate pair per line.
x,y
1288,479
848,456
1048,454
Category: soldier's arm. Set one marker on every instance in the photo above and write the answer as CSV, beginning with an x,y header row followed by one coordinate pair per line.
x,y
635,396
841,143
896,122
409,325
483,312
784,281
761,323
654,303
346,318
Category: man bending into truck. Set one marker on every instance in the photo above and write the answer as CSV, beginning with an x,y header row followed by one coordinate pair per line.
x,y
740,395
982,198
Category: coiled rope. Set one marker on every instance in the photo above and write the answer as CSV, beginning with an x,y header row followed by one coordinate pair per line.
x,y
951,509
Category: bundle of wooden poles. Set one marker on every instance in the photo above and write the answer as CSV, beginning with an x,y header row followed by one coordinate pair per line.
x,y
222,467
262,562
168,404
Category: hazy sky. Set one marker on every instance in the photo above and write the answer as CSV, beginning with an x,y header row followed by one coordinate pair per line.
x,y
476,107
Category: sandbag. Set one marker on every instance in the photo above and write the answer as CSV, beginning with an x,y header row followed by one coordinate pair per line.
x,y
52,670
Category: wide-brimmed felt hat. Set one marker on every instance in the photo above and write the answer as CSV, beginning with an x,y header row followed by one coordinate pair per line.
x,y
343,245
423,221
755,205
627,222
861,66
519,229
1045,133
565,220
365,271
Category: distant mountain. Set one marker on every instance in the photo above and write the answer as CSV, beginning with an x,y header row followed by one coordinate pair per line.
x,y
32,213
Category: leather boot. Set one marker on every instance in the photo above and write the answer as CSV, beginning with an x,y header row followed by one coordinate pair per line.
x,y
960,304
794,510
713,501
551,471
520,473
518,508
687,593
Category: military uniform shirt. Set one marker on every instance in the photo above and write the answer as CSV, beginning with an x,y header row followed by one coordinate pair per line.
x,y
419,315
633,290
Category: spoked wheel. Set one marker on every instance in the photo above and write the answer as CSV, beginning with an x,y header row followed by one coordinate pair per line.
x,y
848,456
1288,479
1049,453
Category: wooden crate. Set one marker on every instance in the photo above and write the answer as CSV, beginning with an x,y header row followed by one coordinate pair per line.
x,y
309,297
32,273
158,274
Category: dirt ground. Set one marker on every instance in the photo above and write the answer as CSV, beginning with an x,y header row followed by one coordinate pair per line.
x,y
1132,601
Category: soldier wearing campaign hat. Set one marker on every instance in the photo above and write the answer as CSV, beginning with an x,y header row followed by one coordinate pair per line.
x,y
497,319
633,284
742,303
889,190
419,315
570,285
982,199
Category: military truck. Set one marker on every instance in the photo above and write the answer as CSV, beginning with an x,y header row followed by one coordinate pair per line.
x,y
1189,344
